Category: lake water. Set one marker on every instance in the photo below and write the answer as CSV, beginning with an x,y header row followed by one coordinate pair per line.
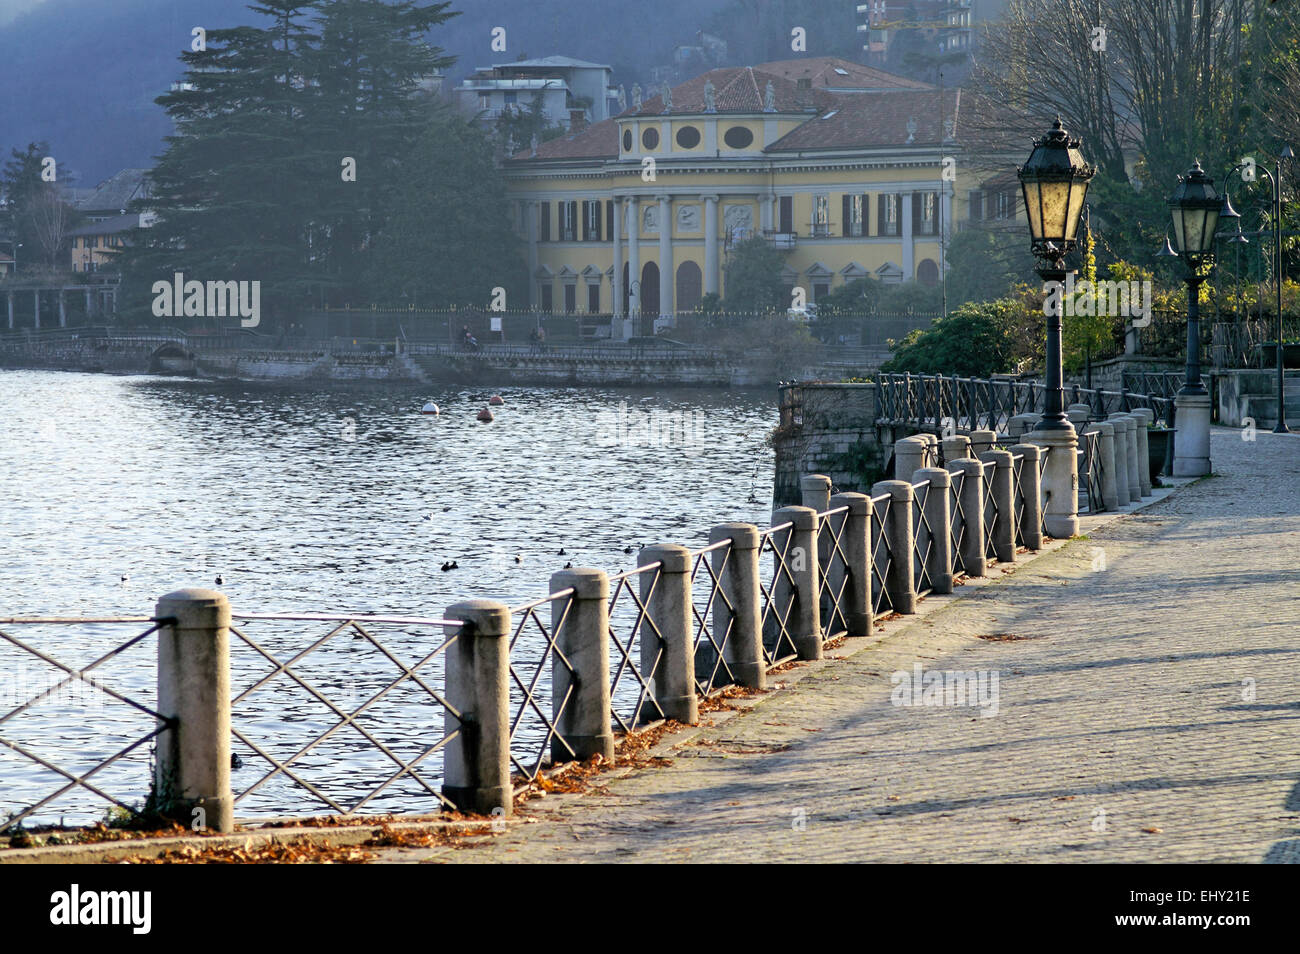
x,y
340,501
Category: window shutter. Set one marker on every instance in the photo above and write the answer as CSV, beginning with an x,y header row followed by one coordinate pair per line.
x,y
881,206
976,205
916,212
609,219
586,219
866,215
544,222
846,214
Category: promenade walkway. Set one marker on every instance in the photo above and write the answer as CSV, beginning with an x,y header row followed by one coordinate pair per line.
x,y
1148,710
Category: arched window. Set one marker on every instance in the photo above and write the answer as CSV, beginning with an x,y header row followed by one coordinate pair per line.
x,y
690,282
927,273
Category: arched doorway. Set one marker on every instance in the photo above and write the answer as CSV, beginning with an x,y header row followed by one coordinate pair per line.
x,y
690,286
927,273
649,297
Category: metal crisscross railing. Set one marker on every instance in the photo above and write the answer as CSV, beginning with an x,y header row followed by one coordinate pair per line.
x,y
991,514
778,643
835,577
534,713
1091,470
328,763
708,569
1017,499
922,539
957,521
76,781
882,554
636,705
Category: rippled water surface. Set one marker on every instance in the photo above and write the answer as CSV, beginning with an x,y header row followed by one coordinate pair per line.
x,y
326,501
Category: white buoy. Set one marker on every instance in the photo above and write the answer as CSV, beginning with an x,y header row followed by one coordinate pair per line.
x,y
430,408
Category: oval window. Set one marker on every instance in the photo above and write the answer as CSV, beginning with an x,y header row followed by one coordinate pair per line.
x,y
650,138
738,137
688,137
627,140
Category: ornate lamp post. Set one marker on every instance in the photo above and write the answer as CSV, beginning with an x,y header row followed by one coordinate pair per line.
x,y
1196,207
1055,183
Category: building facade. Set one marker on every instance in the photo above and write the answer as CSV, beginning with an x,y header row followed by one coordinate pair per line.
x,y
637,216
561,85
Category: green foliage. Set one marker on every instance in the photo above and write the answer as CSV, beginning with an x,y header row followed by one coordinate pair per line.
x,y
975,340
858,297
753,276
450,240
252,185
710,304
983,263
912,297
34,214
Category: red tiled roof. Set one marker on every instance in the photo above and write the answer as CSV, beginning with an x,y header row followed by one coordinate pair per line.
x,y
865,120
822,71
598,141
737,89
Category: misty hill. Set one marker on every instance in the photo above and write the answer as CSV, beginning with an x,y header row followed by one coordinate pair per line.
x,y
83,74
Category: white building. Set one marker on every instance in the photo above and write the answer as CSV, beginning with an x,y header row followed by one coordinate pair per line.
x,y
564,84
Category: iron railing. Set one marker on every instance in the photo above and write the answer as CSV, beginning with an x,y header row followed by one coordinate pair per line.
x,y
338,683
97,751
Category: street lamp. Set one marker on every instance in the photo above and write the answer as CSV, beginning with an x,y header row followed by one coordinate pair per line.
x,y
1195,207
1055,183
1275,184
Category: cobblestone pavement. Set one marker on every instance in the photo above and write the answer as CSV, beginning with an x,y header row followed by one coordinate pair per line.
x,y
1148,711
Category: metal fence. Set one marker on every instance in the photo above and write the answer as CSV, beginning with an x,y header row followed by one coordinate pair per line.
x,y
957,403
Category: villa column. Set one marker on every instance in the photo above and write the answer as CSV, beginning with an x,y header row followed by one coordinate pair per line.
x,y
11,311
617,282
710,244
634,258
531,223
89,312
665,255
765,205
909,253
63,310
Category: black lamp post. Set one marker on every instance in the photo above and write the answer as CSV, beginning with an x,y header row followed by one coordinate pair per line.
x,y
1055,183
1196,208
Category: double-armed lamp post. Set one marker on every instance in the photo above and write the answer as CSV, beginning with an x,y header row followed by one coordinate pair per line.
x,y
1054,181
1196,207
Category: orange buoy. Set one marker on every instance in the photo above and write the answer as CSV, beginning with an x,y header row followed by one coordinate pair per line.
x,y
496,400
486,415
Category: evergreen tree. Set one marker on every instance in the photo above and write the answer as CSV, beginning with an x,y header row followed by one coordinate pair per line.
x,y
450,240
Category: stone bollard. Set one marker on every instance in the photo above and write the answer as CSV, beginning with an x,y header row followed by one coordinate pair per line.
x,y
937,511
956,448
1004,524
737,571
1078,417
850,576
1121,458
1106,450
580,628
971,497
982,441
932,448
816,491
476,683
1019,425
909,456
1080,406
1031,490
668,605
900,581
1131,448
1060,481
192,774
1145,418
797,602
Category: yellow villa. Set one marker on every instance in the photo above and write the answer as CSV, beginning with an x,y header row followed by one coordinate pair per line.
x,y
849,170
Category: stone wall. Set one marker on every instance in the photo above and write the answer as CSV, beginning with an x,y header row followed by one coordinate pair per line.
x,y
826,428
